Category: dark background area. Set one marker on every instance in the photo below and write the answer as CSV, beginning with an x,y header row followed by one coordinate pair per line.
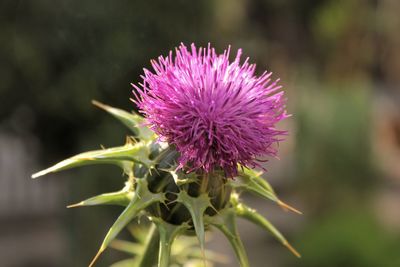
x,y
339,62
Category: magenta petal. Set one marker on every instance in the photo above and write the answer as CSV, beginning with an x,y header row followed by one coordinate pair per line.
x,y
216,113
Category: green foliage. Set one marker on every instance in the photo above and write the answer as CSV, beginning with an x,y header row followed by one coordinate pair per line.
x,y
348,238
334,154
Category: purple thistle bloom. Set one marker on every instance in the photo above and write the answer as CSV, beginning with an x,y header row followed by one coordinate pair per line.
x,y
217,114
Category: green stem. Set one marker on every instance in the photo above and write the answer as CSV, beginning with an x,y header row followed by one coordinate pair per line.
x,y
237,245
149,258
226,223
167,233
164,254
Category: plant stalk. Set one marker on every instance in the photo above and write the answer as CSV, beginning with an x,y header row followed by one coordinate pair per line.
x,y
149,257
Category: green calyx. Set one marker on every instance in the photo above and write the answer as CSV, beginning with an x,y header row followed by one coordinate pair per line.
x,y
177,203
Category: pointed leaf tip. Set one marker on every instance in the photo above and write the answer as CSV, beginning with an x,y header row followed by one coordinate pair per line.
x,y
287,207
256,218
292,249
253,182
35,175
41,173
122,156
99,104
76,205
101,250
121,198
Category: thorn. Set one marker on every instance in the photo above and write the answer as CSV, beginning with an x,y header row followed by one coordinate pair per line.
x,y
165,204
75,205
288,207
292,249
170,202
36,175
97,256
212,206
99,104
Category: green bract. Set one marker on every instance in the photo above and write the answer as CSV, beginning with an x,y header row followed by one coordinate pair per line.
x,y
177,203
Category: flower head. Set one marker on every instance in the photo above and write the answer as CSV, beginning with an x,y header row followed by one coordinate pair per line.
x,y
216,113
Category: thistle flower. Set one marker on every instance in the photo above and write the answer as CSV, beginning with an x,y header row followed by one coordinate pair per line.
x,y
216,113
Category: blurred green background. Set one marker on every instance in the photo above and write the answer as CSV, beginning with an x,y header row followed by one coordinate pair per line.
x,y
339,62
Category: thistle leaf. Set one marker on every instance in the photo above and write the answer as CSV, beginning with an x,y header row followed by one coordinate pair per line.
x,y
168,233
226,223
252,181
257,176
122,156
142,199
133,121
196,206
256,218
121,198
